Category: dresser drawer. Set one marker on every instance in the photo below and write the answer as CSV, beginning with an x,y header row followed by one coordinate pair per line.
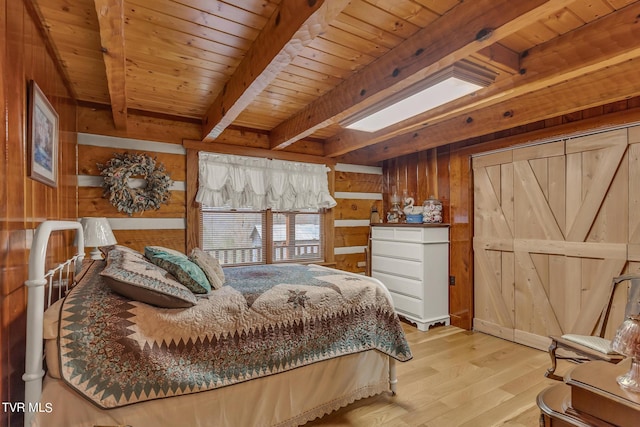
x,y
402,285
388,248
407,305
397,233
432,234
397,267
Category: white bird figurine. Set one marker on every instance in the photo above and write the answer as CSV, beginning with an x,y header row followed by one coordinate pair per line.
x,y
408,205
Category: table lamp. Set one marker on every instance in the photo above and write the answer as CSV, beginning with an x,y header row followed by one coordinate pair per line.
x,y
627,342
97,232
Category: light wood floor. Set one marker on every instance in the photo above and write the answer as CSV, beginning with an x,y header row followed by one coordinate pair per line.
x,y
457,378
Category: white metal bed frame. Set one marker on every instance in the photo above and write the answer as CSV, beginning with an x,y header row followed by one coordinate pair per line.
x,y
37,279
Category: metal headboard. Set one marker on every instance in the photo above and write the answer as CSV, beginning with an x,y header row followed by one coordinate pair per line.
x,y
36,282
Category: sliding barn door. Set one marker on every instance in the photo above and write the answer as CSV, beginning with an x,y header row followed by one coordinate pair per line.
x,y
551,228
494,275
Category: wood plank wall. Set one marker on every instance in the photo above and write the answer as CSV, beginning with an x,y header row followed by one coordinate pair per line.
x,y
160,138
445,172
24,56
357,190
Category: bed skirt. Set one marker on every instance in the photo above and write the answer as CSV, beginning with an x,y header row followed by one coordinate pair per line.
x,y
290,398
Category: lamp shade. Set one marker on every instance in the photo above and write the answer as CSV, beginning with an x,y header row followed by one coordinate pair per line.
x,y
97,232
627,342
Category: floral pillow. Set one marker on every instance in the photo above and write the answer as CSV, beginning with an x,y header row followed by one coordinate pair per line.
x,y
210,265
141,280
187,272
106,249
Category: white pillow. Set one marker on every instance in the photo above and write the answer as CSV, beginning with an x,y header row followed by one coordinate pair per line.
x,y
595,343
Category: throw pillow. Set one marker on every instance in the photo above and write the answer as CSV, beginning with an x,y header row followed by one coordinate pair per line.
x,y
106,249
210,265
187,272
150,251
141,280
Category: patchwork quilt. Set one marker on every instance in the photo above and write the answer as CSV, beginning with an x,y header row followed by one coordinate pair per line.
x,y
265,320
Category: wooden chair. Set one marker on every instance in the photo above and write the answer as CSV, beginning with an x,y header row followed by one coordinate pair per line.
x,y
581,348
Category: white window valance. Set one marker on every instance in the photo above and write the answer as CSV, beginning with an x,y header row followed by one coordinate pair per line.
x,y
230,181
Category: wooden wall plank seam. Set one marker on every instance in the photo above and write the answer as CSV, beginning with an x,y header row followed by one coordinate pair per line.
x,y
358,191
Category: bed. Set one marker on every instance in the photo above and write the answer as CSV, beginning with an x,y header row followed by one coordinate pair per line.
x,y
277,345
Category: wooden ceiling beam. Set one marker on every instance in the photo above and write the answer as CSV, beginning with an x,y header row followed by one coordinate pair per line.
x,y
111,21
244,137
291,28
216,147
603,43
607,85
501,57
461,32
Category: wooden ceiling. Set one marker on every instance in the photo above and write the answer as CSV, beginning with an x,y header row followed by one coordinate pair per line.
x,y
293,70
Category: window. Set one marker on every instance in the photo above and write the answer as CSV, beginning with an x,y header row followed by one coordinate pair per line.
x,y
255,210
241,237
296,236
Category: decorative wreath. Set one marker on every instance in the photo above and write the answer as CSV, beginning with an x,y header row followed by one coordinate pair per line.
x,y
117,173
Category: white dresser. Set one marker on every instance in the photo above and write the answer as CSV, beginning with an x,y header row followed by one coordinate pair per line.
x,y
413,262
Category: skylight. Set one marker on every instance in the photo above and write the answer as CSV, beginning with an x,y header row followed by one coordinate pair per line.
x,y
426,95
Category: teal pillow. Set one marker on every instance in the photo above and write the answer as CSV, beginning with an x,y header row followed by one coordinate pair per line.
x,y
184,270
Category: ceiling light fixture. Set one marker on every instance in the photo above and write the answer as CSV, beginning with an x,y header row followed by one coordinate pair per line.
x,y
447,85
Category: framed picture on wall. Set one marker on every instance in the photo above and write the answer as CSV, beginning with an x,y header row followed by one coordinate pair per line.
x,y
42,134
